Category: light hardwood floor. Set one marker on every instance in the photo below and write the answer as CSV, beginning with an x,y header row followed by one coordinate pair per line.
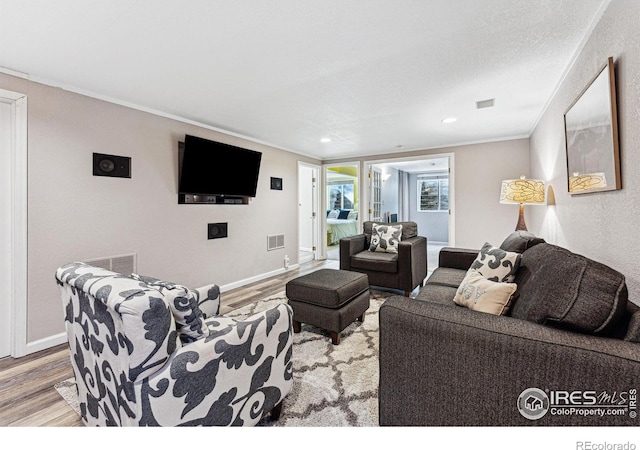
x,y
27,395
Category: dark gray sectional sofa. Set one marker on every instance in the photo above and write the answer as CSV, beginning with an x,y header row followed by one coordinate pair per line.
x,y
567,352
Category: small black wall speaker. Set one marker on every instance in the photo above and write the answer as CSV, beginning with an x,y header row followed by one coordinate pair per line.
x,y
111,166
276,183
217,230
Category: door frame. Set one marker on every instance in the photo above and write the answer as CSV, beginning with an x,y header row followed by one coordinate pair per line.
x,y
451,157
17,259
323,200
315,208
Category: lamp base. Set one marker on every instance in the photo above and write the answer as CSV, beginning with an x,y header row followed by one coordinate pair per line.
x,y
520,226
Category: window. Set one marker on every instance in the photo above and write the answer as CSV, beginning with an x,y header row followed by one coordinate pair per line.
x,y
433,194
340,195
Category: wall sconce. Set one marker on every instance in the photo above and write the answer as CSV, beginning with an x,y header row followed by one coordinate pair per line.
x,y
522,192
551,196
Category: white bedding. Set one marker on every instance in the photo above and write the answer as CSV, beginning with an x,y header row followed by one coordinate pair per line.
x,y
339,228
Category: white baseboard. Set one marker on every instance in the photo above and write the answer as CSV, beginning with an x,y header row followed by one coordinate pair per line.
x,y
45,343
305,258
240,283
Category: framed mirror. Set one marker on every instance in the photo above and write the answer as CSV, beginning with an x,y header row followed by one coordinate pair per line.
x,y
591,136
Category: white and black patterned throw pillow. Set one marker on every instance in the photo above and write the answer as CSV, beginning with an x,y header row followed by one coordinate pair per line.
x,y
496,264
385,238
184,306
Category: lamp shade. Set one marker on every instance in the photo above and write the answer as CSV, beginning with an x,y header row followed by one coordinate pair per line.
x,y
523,191
587,181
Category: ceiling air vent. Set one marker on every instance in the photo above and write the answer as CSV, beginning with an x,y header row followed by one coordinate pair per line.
x,y
485,103
275,241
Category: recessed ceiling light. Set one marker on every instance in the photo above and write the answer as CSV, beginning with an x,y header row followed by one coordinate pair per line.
x,y
449,120
325,140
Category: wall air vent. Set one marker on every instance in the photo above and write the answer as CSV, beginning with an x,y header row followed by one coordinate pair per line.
x,y
122,264
275,241
485,103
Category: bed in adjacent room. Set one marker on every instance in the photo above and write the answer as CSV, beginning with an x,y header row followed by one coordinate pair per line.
x,y
341,223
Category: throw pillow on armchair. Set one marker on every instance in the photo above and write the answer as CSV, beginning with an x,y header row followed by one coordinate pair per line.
x,y
385,238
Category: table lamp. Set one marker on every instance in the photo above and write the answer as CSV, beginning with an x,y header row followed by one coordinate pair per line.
x,y
523,192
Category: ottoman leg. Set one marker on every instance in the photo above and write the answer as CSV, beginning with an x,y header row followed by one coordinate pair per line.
x,y
335,338
361,318
297,326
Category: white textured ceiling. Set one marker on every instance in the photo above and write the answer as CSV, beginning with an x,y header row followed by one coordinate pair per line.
x,y
372,75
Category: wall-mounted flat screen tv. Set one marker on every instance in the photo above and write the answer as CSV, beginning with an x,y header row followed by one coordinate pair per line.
x,y
214,168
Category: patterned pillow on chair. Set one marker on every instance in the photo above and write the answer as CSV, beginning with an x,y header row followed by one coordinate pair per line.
x,y
385,238
208,298
184,307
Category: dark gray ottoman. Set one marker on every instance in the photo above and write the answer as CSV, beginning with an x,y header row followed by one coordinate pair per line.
x,y
329,299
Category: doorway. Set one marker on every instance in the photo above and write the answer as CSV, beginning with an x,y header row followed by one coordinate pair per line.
x,y
13,223
308,212
341,205
417,189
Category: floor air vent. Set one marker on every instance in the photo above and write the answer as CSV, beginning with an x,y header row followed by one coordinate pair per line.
x,y
123,264
275,241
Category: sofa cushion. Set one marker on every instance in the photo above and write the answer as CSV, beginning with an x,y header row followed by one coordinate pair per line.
x,y
385,238
560,288
445,276
519,241
479,294
495,264
184,307
375,261
437,293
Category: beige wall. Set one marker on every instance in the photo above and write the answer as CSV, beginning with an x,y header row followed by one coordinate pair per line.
x,y
602,226
479,170
73,215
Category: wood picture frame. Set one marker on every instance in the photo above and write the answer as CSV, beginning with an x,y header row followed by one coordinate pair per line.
x,y
591,136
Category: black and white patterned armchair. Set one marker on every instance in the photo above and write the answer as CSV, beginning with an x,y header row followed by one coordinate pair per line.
x,y
151,353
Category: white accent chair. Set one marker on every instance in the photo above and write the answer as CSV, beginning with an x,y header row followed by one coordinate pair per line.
x,y
144,353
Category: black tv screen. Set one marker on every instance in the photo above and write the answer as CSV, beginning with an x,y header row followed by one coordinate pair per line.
x,y
214,168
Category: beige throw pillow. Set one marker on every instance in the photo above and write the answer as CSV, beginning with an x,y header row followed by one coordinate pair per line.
x,y
479,294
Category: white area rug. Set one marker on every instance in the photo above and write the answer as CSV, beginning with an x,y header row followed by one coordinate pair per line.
x,y
334,385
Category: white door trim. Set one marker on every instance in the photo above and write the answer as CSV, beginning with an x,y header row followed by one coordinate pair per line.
x,y
315,206
18,199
